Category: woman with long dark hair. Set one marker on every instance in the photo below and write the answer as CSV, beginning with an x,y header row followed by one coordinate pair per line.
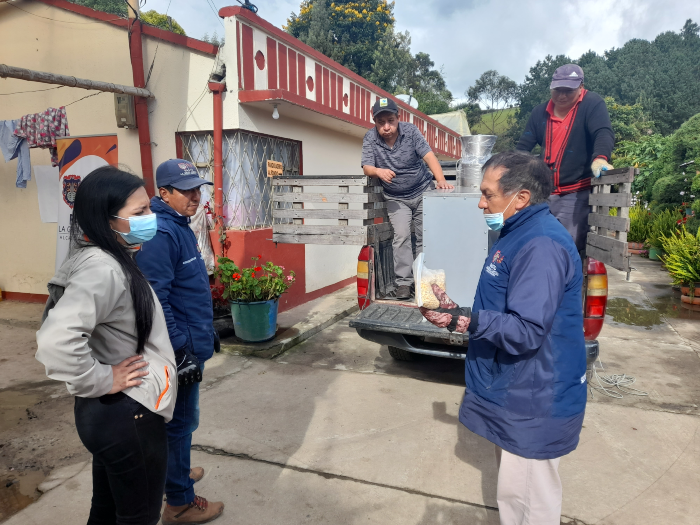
x,y
104,335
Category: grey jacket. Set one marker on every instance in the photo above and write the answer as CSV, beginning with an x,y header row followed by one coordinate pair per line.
x,y
89,325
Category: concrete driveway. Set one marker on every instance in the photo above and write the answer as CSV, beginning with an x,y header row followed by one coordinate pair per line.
x,y
335,431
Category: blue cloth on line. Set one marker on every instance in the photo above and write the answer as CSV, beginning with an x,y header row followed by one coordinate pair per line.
x,y
13,147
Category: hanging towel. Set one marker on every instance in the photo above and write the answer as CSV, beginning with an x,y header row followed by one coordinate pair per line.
x,y
12,147
42,129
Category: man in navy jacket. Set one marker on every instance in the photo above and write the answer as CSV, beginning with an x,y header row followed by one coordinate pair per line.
x,y
526,363
174,267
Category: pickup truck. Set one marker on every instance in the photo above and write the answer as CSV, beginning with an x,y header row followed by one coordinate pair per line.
x,y
461,252
350,210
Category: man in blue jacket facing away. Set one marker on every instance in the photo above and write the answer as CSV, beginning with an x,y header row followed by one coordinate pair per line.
x,y
173,264
526,363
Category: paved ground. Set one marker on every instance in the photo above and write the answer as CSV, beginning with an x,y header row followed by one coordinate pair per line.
x,y
335,431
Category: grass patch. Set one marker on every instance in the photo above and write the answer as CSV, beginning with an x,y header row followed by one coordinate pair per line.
x,y
501,125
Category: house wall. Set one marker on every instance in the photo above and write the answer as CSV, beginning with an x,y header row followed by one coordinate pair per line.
x,y
72,44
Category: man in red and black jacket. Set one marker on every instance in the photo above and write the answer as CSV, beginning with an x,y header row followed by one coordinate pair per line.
x,y
577,139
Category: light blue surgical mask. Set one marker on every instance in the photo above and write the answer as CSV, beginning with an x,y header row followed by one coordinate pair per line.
x,y
142,228
495,220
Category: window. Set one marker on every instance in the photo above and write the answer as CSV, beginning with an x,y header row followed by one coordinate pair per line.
x,y
247,189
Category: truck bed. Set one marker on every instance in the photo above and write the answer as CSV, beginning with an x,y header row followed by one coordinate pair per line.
x,y
403,319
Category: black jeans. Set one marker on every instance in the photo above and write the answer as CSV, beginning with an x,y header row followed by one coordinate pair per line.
x,y
129,447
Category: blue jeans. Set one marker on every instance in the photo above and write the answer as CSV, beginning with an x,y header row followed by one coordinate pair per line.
x,y
179,487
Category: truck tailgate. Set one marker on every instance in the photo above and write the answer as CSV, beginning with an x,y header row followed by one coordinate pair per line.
x,y
406,320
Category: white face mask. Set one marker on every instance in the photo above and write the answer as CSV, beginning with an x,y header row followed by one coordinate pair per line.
x,y
495,220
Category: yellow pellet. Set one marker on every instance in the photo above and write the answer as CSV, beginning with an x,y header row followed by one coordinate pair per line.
x,y
427,296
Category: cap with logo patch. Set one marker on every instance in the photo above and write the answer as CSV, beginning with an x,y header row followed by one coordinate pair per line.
x,y
568,76
180,174
384,104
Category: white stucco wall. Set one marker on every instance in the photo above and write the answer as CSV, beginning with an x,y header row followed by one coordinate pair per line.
x,y
94,50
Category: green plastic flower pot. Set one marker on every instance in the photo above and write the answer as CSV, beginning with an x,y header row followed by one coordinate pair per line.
x,y
654,254
255,322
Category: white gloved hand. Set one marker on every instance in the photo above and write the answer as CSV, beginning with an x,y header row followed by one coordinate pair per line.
x,y
600,165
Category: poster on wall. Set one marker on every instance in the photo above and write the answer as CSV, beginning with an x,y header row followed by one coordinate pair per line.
x,y
77,157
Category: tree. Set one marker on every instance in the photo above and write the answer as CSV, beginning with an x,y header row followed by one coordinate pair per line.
x,y
662,76
495,93
346,31
629,123
117,7
213,39
361,36
157,19
473,112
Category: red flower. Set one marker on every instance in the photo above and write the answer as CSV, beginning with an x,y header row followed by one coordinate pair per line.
x,y
259,256
236,276
258,269
253,275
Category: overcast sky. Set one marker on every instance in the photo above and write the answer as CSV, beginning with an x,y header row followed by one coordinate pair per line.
x,y
468,37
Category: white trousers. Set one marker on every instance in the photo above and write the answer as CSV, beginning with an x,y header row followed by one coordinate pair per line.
x,y
529,490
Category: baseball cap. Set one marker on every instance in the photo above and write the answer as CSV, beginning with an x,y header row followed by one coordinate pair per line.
x,y
568,76
180,174
384,104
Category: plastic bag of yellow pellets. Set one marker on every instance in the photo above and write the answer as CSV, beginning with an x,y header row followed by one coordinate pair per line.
x,y
424,278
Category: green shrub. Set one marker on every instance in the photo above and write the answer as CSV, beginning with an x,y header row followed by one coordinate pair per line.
x,y
682,257
673,189
682,147
640,224
693,225
665,224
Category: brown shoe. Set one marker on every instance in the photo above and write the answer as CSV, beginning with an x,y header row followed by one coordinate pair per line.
x,y
199,511
196,473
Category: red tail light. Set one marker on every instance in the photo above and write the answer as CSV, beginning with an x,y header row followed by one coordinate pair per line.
x,y
364,276
596,299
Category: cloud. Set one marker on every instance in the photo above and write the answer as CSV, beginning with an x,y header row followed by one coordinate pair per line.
x,y
468,37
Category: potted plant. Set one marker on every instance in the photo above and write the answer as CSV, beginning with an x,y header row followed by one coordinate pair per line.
x,y
640,228
682,260
253,295
665,224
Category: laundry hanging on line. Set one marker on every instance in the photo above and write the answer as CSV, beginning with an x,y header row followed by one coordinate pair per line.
x,y
12,147
42,129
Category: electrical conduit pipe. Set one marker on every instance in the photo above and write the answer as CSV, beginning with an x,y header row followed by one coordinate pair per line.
x,y
141,104
218,89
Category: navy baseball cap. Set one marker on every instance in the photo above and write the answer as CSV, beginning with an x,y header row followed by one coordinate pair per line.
x,y
180,174
384,104
568,76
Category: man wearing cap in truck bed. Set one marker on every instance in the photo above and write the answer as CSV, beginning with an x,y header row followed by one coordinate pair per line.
x,y
394,152
577,139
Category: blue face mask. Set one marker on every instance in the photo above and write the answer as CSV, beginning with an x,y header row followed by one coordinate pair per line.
x,y
143,228
495,220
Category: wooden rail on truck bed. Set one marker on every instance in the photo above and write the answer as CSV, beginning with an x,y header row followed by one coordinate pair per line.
x,y
329,209
607,242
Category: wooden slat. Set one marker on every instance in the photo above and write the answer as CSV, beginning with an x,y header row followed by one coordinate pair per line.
x,y
320,181
619,224
617,176
327,197
615,260
311,229
613,200
607,243
612,251
329,214
357,240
